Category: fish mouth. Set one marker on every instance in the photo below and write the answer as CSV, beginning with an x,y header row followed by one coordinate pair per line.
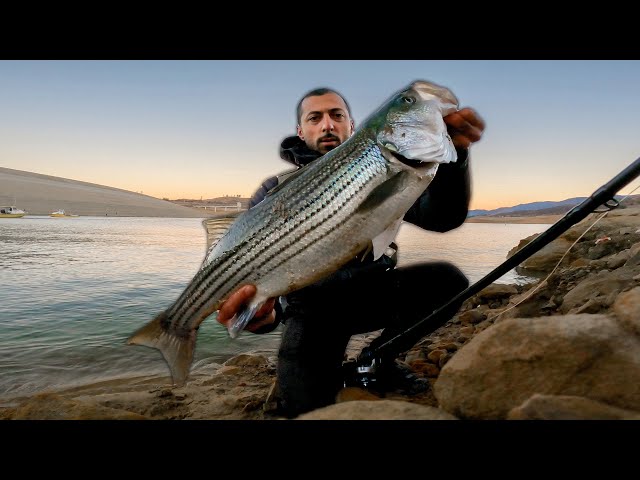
x,y
389,150
419,167
423,156
407,161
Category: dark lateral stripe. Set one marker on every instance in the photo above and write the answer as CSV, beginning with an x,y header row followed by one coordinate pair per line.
x,y
199,300
330,192
362,175
292,239
231,270
204,285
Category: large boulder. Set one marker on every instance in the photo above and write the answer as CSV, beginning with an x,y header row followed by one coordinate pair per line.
x,y
590,356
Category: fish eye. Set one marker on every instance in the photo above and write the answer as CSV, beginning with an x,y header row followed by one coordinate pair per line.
x,y
408,99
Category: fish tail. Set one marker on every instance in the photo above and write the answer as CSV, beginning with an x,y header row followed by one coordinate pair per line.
x,y
176,349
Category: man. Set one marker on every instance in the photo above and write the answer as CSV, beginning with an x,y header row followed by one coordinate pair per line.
x,y
365,295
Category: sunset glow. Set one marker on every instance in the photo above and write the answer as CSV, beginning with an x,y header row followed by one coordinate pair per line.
x,y
192,129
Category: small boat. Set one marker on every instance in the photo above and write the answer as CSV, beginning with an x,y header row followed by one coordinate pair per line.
x,y
61,213
11,211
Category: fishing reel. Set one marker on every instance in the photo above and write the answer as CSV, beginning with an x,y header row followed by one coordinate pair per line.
x,y
382,374
363,371
361,376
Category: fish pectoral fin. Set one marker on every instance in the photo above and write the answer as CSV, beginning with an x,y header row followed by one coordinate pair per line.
x,y
382,241
384,191
176,350
241,319
218,226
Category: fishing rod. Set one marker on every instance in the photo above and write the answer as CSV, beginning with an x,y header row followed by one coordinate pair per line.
x,y
362,370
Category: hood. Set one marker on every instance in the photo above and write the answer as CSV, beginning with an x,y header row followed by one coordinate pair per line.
x,y
295,151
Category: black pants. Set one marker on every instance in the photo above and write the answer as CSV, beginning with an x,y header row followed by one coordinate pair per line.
x,y
321,319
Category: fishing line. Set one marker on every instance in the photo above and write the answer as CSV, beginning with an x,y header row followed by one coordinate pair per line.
x,y
543,282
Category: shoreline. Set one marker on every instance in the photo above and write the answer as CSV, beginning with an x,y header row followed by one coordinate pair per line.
x,y
534,219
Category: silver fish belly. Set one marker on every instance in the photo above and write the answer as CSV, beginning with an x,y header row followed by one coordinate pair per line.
x,y
350,199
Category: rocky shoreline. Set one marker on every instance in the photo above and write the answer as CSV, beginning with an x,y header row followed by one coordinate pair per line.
x,y
564,347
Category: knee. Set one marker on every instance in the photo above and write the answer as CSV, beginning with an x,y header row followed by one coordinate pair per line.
x,y
455,278
440,275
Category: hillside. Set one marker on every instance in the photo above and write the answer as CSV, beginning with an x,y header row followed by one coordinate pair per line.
x,y
544,208
42,194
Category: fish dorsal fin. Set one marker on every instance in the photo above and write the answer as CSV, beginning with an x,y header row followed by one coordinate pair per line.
x,y
284,178
216,227
382,241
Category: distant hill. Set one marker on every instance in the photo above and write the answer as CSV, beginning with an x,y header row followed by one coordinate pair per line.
x,y
40,194
544,208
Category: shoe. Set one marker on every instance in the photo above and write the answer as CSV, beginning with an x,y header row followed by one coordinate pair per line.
x,y
397,376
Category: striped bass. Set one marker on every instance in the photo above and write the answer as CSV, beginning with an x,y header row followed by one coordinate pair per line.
x,y
350,200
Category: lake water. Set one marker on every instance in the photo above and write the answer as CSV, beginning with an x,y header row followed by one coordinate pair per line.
x,y
74,289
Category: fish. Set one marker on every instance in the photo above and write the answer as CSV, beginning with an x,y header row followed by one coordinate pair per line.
x,y
350,200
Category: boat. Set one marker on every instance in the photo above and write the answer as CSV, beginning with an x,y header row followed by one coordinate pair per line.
x,y
61,213
11,211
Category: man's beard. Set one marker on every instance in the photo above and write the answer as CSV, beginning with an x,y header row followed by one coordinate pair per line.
x,y
322,146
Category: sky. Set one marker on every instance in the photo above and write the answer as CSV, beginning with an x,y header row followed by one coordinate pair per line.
x,y
555,129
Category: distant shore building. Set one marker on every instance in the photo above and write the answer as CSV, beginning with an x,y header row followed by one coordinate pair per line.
x,y
236,207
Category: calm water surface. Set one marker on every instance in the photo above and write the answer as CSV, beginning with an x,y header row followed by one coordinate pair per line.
x,y
74,289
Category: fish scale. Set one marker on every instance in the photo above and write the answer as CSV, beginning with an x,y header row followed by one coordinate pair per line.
x,y
350,200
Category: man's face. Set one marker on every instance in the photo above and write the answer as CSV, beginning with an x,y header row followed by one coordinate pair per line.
x,y
325,122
